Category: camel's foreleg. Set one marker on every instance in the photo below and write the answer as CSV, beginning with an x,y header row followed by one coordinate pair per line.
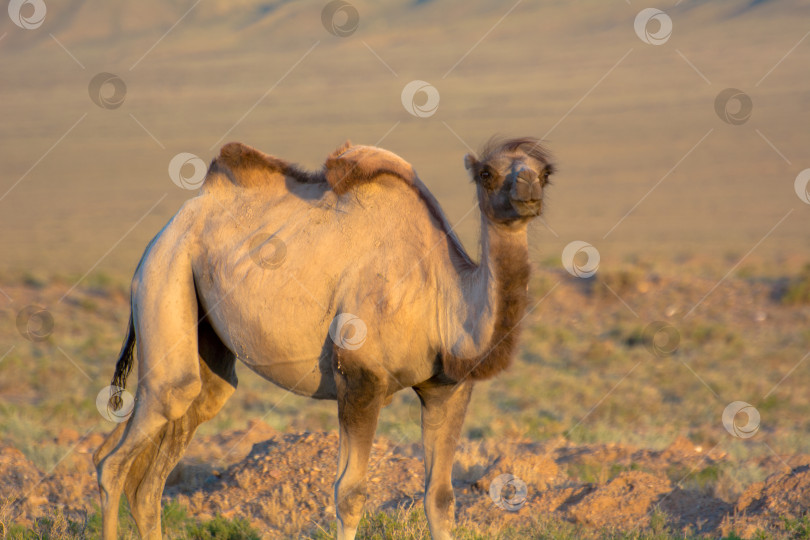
x,y
443,410
360,395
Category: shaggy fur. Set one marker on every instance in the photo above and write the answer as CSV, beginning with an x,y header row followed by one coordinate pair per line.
x,y
528,145
346,168
511,271
509,263
350,166
247,167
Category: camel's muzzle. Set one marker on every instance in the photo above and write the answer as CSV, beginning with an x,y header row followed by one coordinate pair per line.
x,y
527,187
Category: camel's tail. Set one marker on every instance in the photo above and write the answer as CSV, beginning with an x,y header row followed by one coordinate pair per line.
x,y
124,365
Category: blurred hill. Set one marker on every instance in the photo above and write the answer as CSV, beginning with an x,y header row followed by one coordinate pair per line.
x,y
82,185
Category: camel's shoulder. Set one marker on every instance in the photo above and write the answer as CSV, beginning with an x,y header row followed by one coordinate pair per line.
x,y
246,166
351,165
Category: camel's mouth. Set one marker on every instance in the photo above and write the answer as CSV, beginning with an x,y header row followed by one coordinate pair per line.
x,y
527,208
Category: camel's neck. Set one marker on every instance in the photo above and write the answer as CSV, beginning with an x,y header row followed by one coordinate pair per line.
x,y
493,302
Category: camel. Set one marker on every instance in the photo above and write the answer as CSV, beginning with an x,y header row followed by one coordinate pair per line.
x,y
346,284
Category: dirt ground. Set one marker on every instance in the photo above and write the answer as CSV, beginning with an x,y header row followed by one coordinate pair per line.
x,y
282,483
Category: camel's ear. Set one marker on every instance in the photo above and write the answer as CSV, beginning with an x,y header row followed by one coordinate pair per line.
x,y
470,162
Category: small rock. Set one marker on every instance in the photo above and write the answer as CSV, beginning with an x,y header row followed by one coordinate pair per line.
x,y
67,436
643,287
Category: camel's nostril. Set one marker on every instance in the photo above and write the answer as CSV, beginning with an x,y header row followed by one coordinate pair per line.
x,y
522,190
526,175
537,190
527,189
527,186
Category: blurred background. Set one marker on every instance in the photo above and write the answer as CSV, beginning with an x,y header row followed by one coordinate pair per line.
x,y
619,114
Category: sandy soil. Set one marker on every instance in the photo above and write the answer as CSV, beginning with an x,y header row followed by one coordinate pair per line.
x,y
282,483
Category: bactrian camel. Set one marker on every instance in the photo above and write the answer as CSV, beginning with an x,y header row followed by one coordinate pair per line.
x,y
346,284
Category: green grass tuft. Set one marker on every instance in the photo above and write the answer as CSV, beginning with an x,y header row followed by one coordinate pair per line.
x,y
798,290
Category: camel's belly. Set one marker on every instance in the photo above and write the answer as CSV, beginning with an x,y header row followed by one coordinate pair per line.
x,y
303,377
277,334
274,308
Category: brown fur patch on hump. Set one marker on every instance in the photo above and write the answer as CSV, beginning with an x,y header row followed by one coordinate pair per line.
x,y
245,166
352,165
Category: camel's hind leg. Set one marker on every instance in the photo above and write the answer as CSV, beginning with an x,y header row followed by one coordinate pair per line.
x,y
147,477
139,441
164,304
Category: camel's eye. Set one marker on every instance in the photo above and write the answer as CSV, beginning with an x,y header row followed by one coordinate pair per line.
x,y
488,178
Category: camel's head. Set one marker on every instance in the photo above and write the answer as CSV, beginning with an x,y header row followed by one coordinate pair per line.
x,y
511,176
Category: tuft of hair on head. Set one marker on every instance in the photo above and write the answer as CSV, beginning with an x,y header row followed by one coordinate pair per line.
x,y
531,146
